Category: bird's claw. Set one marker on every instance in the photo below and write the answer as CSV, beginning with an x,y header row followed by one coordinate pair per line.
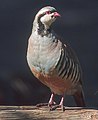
x,y
51,104
61,107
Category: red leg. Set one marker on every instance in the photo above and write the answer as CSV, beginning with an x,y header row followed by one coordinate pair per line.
x,y
61,102
50,103
60,105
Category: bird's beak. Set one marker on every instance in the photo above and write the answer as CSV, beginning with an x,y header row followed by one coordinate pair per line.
x,y
56,14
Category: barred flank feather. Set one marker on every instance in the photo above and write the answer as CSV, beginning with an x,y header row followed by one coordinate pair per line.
x,y
67,68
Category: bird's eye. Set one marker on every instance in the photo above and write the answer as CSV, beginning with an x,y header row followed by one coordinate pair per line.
x,y
48,12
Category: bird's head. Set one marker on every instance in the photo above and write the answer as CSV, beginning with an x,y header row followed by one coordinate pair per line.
x,y
46,16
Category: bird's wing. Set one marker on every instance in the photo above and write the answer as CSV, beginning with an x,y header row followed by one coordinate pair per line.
x,y
68,66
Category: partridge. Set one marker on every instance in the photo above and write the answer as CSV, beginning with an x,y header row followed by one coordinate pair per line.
x,y
51,61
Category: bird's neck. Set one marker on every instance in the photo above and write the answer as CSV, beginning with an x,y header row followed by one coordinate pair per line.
x,y
40,28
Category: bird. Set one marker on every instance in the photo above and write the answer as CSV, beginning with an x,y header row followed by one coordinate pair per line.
x,y
52,62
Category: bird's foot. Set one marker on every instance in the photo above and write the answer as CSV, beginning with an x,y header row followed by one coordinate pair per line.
x,y
50,104
60,107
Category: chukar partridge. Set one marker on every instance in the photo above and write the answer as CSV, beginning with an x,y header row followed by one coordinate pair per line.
x,y
52,62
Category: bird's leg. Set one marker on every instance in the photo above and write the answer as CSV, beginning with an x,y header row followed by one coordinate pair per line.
x,y
60,105
50,103
61,102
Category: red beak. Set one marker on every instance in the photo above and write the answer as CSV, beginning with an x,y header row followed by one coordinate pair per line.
x,y
56,14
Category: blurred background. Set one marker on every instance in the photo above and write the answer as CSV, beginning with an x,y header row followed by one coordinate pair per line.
x,y
78,25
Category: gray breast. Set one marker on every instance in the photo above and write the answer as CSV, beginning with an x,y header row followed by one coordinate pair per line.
x,y
44,53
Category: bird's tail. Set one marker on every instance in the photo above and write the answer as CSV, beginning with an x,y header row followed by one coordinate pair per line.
x,y
79,99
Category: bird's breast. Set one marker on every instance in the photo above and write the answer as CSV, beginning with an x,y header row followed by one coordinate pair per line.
x,y
43,54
